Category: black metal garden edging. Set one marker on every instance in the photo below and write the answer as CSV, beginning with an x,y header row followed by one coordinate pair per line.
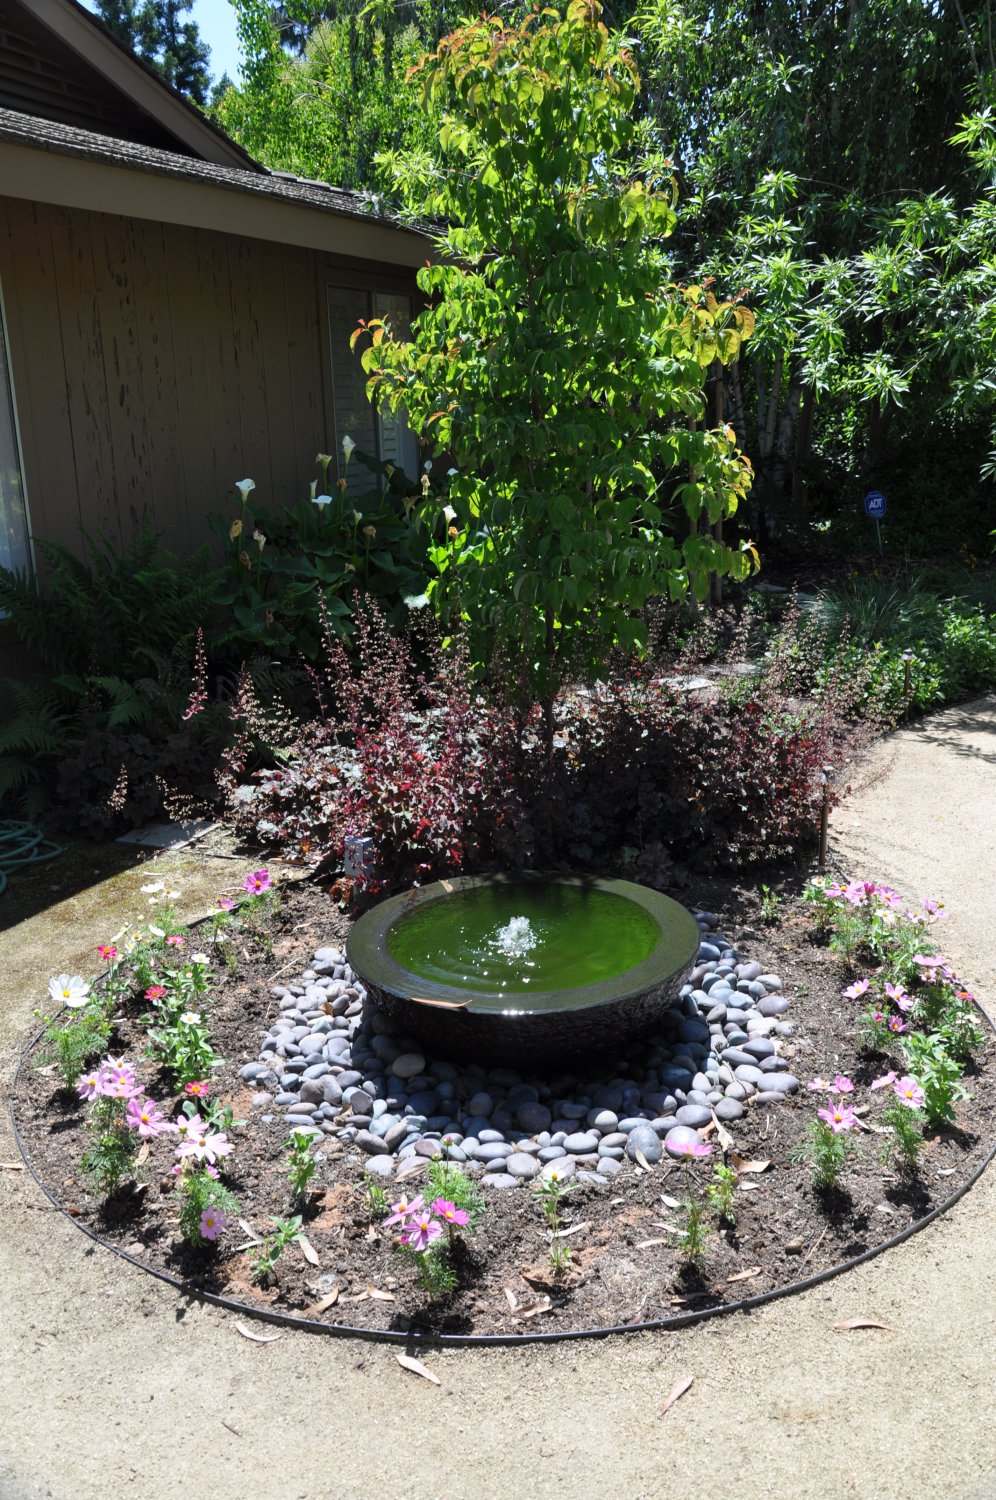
x,y
415,1338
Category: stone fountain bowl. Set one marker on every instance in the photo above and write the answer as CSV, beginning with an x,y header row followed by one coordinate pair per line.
x,y
524,1026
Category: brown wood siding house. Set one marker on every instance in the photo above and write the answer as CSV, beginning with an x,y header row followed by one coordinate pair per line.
x,y
174,316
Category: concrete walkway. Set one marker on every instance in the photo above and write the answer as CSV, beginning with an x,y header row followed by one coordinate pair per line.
x,y
109,1386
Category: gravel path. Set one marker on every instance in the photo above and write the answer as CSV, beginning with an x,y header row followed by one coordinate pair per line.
x,y
109,1386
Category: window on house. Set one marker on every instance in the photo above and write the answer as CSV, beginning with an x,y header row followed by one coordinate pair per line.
x,y
14,548
385,435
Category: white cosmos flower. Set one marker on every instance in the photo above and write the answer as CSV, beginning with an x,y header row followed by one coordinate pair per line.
x,y
190,1018
154,888
244,486
156,931
71,990
199,958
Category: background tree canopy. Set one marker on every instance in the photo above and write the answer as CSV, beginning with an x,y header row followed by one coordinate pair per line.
x,y
155,32
834,162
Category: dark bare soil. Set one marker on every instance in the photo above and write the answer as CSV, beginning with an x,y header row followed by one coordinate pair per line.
x,y
625,1267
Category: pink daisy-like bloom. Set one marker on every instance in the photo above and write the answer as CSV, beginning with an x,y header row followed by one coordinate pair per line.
x,y
224,904
691,1148
205,1145
257,882
856,990
198,1089
118,1081
90,1086
155,992
908,1091
175,940
403,1210
896,1026
816,1084
834,891
106,951
213,1223
883,1082
898,996
189,1125
928,961
421,1232
878,1015
840,1117
857,893
842,1085
145,1116
449,1212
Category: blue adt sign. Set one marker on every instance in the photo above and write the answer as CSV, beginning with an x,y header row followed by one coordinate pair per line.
x,y
876,505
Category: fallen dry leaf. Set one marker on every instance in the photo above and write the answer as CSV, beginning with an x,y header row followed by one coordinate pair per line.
x,y
745,1275
560,1234
254,1238
530,1309
676,1392
258,1338
379,1296
417,1368
510,1298
646,1244
743,1165
143,1155
669,1202
723,1136
317,1308
850,1323
11,1166
308,1251
413,1164
357,1297
642,1159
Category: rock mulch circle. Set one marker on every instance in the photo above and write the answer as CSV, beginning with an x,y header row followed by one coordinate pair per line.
x,y
332,1065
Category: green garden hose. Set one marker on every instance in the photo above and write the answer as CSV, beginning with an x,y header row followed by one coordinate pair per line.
x,y
20,845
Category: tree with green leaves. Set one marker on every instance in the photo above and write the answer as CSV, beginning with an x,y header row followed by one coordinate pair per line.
x,y
557,365
324,85
155,31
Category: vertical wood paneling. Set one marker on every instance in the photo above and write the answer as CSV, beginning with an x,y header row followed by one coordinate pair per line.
x,y
127,407
83,349
308,347
216,389
166,476
249,302
270,304
27,276
194,381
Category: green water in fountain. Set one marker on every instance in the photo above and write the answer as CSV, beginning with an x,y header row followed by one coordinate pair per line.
x,y
521,939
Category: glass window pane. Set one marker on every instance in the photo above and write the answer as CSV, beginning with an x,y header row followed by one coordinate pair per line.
x,y
13,515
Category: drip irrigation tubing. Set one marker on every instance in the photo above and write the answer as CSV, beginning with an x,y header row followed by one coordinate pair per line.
x,y
20,845
418,1338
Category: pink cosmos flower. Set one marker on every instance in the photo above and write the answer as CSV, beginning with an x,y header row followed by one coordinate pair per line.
x,y
106,951
155,992
839,1117
145,1116
421,1232
257,882
189,1125
175,940
693,1148
924,961
898,996
449,1211
213,1223
842,1085
205,1145
91,1085
833,891
896,1026
224,904
856,990
857,893
197,1090
403,1210
878,1015
818,1084
117,1081
909,1092
883,1082
932,908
